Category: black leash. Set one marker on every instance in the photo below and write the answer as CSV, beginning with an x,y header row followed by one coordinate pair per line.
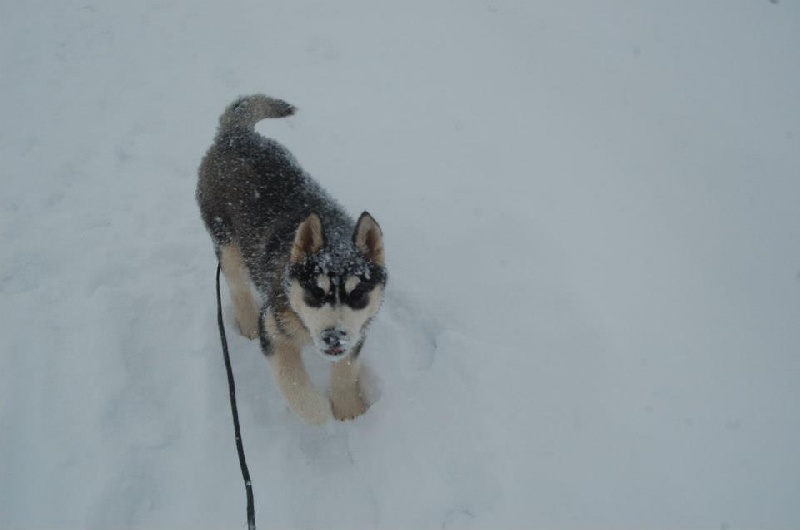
x,y
251,511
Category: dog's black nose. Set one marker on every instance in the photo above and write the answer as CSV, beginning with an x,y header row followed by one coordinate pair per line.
x,y
333,337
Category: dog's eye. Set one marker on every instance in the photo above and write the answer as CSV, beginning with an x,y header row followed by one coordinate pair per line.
x,y
358,297
317,293
314,296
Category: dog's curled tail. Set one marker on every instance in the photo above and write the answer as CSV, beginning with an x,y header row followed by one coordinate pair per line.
x,y
246,111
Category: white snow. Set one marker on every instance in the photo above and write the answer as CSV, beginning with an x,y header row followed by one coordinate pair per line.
x,y
593,232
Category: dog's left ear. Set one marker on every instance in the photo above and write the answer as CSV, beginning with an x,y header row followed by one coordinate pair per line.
x,y
369,239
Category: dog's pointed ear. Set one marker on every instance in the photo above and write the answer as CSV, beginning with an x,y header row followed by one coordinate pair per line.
x,y
307,239
368,239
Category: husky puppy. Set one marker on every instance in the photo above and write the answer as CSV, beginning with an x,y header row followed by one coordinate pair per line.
x,y
320,274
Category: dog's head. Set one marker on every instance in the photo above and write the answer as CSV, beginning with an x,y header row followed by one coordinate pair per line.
x,y
335,282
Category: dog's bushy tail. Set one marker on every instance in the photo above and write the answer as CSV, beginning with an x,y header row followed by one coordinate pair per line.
x,y
246,111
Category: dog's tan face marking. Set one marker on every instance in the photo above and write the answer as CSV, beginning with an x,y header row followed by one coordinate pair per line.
x,y
351,283
324,282
347,322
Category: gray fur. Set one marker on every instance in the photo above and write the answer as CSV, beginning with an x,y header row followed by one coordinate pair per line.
x,y
252,191
257,204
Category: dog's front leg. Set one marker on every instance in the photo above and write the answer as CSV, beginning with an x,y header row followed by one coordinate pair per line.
x,y
348,401
290,373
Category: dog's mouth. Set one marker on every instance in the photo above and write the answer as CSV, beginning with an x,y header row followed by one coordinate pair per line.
x,y
335,351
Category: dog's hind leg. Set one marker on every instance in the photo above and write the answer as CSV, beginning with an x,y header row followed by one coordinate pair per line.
x,y
238,279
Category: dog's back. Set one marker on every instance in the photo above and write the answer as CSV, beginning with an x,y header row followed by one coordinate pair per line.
x,y
251,191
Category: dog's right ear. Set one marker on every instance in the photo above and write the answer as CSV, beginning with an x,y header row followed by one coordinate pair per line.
x,y
307,239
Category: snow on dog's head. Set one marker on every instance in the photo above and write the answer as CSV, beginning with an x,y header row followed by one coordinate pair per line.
x,y
335,282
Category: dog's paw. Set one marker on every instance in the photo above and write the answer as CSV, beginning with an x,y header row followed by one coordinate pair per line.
x,y
248,327
348,406
313,408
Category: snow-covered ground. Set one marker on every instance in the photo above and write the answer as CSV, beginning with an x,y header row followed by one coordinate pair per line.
x,y
592,216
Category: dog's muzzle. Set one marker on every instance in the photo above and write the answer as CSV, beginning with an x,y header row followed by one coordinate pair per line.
x,y
335,341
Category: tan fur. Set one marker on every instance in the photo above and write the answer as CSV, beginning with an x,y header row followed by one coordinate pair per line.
x,y
324,282
351,283
346,397
290,326
287,340
238,280
290,374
